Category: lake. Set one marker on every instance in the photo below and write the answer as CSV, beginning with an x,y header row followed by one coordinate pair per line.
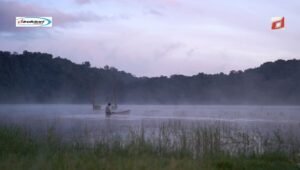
x,y
78,119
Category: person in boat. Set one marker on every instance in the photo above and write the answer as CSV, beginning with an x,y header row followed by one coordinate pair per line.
x,y
108,109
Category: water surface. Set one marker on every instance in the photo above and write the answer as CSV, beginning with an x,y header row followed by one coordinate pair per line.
x,y
76,119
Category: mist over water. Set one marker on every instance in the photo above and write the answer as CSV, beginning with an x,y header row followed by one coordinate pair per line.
x,y
80,117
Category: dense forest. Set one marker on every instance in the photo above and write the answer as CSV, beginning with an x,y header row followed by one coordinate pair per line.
x,y
34,77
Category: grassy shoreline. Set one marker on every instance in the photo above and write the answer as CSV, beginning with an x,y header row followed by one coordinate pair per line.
x,y
19,150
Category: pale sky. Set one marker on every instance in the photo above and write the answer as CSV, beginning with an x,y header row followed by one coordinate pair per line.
x,y
157,37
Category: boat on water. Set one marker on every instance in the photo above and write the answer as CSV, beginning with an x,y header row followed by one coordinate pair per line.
x,y
120,112
109,111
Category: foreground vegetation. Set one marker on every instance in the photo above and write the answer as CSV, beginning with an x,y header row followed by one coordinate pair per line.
x,y
19,150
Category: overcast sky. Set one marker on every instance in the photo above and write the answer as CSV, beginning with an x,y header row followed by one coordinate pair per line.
x,y
157,37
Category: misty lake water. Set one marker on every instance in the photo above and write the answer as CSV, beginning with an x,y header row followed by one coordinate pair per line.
x,y
77,119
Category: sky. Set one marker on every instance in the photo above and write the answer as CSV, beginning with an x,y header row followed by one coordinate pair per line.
x,y
157,37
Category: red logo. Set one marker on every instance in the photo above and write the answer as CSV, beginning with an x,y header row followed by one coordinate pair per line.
x,y
278,23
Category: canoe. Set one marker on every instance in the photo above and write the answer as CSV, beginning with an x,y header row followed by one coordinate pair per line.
x,y
123,112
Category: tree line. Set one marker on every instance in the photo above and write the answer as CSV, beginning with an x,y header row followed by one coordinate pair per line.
x,y
34,77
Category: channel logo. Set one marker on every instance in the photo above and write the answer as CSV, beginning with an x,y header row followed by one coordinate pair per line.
x,y
278,23
33,21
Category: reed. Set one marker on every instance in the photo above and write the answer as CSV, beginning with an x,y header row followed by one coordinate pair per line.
x,y
172,145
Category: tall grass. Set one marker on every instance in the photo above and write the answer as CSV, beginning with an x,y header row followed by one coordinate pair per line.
x,y
172,146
